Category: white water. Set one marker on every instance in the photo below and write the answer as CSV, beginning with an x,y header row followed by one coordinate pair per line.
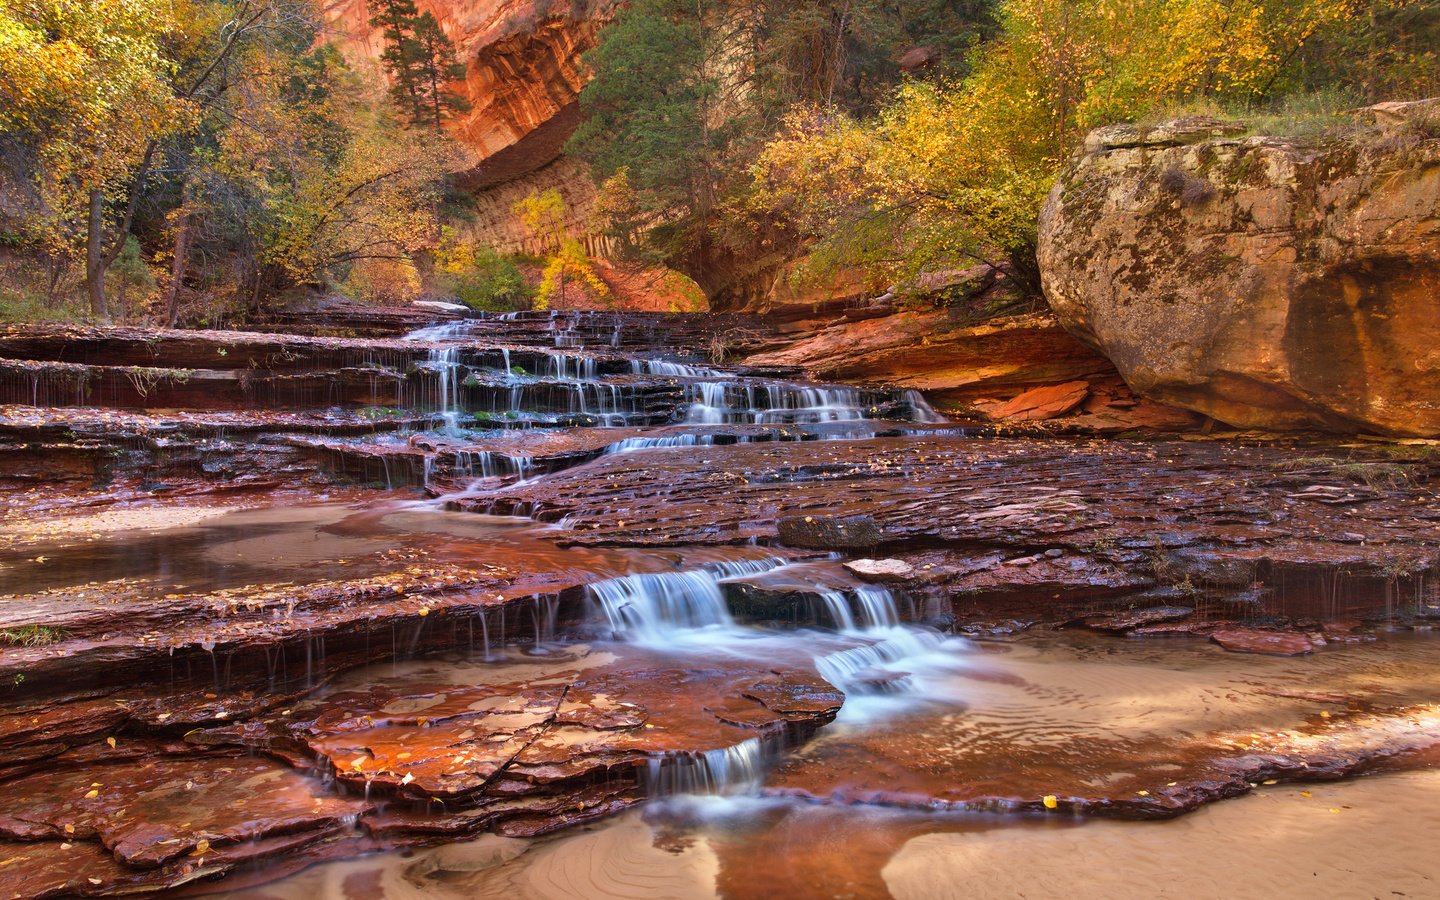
x,y
733,402
445,362
492,464
738,769
658,609
630,445
880,663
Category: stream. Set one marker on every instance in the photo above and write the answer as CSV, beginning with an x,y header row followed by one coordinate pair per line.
x,y
549,606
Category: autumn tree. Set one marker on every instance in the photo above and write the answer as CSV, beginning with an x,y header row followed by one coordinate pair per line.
x,y
685,93
86,84
544,214
952,173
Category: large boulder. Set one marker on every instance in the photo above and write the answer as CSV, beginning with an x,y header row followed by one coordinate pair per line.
x,y
1267,282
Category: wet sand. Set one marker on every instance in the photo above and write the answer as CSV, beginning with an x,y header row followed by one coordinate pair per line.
x,y
1370,837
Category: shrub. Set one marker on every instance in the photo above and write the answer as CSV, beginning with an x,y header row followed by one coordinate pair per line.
x,y
481,278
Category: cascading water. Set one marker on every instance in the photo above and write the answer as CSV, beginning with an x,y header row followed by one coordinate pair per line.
x,y
630,445
738,769
445,362
659,608
687,612
731,402
491,464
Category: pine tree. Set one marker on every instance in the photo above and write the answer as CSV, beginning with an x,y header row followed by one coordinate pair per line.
x,y
420,60
435,66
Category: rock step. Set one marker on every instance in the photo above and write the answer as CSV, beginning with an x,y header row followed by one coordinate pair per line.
x,y
239,350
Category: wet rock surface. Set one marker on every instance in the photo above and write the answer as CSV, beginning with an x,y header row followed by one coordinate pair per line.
x,y
595,575
1107,517
1016,368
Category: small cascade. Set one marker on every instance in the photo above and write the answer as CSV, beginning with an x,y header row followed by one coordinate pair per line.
x,y
852,670
878,609
707,403
630,445
873,609
654,608
727,771
445,331
492,464
788,403
445,363
837,605
734,402
567,367
924,413
875,617
663,369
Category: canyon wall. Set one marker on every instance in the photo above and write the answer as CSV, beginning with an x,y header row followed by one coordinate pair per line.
x,y
1267,282
522,81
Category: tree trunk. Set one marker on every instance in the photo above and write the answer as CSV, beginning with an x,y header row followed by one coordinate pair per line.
x,y
95,257
182,255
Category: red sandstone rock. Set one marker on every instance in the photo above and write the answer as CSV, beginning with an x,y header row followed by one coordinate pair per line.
x,y
883,570
1268,282
1048,402
1273,642
1136,618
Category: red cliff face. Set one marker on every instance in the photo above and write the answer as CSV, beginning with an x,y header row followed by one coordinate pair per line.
x,y
523,75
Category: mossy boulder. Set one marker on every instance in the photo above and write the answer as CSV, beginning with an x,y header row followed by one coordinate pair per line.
x,y
1268,282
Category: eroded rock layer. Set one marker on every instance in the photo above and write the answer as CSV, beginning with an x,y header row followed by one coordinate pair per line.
x,y
255,616
1268,282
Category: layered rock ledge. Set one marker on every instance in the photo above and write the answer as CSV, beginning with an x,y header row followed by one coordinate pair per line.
x,y
1267,282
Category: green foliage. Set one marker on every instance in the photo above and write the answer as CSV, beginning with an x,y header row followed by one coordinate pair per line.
x,y
478,276
420,60
954,173
646,113
21,304
32,636
381,413
130,267
684,96
492,283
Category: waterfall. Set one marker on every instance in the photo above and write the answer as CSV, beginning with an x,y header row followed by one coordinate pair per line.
x,y
564,367
445,362
665,369
846,668
492,464
838,606
707,403
729,770
721,402
445,331
925,414
656,608
874,617
630,445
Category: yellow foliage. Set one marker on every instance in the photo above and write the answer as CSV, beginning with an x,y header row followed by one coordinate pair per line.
x,y
384,281
953,173
570,260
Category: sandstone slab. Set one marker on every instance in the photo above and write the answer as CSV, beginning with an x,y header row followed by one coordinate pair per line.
x,y
1267,282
